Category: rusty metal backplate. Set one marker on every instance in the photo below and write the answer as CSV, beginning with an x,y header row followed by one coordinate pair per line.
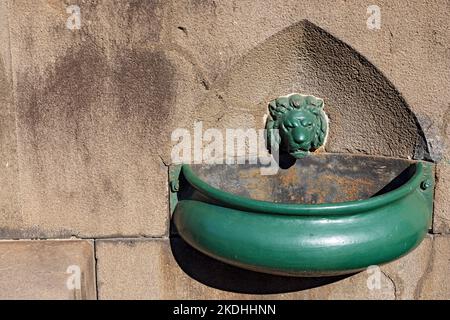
x,y
322,178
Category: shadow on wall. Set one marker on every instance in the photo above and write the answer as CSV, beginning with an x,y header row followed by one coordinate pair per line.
x,y
367,114
222,276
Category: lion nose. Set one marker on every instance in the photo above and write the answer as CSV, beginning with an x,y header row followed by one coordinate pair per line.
x,y
300,137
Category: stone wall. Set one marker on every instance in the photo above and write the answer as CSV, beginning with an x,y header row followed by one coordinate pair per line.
x,y
86,117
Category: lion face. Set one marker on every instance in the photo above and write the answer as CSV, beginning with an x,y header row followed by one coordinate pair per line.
x,y
297,128
301,123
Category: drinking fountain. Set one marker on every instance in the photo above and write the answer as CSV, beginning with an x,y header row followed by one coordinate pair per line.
x,y
325,214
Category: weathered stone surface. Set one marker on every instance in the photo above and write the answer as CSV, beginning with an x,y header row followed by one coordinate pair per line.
x,y
358,98
96,106
408,272
441,219
218,35
436,282
10,216
155,269
43,269
92,112
86,117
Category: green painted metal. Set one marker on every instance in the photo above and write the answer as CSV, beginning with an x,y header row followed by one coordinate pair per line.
x,y
174,185
297,124
306,239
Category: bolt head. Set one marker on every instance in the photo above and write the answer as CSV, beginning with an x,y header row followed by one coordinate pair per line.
x,y
426,184
174,186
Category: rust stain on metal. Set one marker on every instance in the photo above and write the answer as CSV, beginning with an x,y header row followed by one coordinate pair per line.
x,y
312,180
289,178
255,183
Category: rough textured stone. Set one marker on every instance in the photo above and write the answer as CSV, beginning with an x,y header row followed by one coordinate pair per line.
x,y
436,283
157,269
92,110
86,117
39,269
441,223
408,272
96,106
358,98
218,35
9,188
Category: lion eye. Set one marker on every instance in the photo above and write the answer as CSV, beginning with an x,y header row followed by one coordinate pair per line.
x,y
290,124
307,124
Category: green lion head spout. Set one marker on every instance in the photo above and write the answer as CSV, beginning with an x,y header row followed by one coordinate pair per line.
x,y
297,124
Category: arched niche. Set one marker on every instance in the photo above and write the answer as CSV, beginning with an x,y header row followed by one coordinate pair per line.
x,y
367,114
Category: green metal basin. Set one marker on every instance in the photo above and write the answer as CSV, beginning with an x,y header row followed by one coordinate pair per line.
x,y
328,214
